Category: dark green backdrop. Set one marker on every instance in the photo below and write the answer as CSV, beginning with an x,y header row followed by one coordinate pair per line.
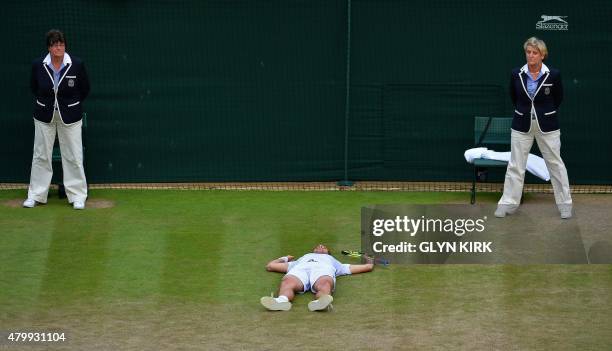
x,y
255,90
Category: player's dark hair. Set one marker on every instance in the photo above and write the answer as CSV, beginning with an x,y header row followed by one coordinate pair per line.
x,y
55,36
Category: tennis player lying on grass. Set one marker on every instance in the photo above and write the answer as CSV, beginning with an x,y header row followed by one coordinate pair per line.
x,y
314,271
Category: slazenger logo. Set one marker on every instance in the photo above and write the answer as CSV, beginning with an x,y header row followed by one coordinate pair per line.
x,y
552,23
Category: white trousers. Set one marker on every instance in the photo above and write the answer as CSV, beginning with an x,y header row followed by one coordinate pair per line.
x,y
71,148
550,146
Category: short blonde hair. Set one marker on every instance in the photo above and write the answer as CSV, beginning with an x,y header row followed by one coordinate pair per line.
x,y
538,44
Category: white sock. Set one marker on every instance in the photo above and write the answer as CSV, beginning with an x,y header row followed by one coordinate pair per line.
x,y
282,298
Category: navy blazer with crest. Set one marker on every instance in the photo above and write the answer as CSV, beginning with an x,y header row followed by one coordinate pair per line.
x,y
72,89
546,102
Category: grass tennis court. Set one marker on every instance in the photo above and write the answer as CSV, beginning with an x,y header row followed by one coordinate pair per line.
x,y
184,270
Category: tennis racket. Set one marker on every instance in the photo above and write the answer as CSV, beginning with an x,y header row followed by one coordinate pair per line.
x,y
378,260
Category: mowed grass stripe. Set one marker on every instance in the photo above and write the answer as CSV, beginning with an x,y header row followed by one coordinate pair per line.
x,y
23,257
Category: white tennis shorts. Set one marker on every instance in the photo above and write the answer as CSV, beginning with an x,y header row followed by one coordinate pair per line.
x,y
309,274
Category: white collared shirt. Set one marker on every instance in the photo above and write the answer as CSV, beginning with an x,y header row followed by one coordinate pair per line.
x,y
532,84
56,73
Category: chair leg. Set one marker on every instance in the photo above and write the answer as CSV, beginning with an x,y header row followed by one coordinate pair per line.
x,y
61,190
473,195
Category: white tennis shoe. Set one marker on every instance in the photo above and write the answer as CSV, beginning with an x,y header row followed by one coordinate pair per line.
x,y
29,203
503,210
320,304
272,304
565,210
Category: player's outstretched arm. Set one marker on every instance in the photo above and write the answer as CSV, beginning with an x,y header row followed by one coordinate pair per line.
x,y
363,268
280,264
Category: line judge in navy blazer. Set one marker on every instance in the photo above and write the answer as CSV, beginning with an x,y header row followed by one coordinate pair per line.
x,y
60,84
546,101
536,92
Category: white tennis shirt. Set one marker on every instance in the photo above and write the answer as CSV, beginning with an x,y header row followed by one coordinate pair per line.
x,y
320,261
